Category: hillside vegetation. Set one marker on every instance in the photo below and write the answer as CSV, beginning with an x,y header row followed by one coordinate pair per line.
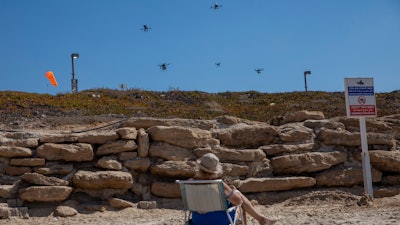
x,y
250,105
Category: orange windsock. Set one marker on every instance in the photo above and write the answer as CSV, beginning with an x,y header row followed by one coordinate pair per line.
x,y
50,76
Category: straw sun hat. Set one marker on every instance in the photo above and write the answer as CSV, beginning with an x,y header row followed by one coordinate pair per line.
x,y
209,163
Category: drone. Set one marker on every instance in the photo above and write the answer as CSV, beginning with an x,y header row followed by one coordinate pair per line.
x,y
163,66
145,28
217,64
259,70
216,6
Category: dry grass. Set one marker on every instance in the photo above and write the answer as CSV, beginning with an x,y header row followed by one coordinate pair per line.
x,y
250,105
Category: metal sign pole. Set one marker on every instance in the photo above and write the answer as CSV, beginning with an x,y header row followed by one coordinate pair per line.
x,y
365,159
361,102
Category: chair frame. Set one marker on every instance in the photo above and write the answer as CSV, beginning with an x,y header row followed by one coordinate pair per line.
x,y
210,191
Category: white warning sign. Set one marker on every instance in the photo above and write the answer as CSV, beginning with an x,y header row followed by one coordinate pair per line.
x,y
360,97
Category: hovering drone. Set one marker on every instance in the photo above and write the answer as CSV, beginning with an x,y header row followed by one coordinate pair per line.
x,y
217,64
163,66
216,6
259,70
145,28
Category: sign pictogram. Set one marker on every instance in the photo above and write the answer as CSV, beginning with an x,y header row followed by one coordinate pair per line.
x,y
360,97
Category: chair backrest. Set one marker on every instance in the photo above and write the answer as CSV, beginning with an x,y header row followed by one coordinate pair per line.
x,y
203,195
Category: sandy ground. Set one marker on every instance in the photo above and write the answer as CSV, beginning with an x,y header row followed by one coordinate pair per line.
x,y
318,207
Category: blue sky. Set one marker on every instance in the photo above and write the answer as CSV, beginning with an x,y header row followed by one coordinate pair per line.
x,y
333,39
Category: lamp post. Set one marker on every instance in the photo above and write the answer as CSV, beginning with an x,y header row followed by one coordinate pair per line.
x,y
74,82
305,79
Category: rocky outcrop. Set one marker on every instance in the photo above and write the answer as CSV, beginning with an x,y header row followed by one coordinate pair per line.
x,y
142,158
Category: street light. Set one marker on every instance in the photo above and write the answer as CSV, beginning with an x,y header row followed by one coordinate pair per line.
x,y
305,79
74,82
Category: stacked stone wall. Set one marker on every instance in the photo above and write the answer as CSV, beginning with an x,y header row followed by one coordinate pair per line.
x,y
141,158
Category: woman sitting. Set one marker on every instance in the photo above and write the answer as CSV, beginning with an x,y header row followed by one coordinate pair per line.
x,y
209,168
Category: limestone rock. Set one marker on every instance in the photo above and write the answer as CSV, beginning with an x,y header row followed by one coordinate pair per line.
x,y
138,164
102,180
144,123
55,168
143,142
26,143
230,120
353,124
127,133
258,169
242,135
109,162
77,152
345,177
59,138
11,152
235,170
189,138
147,205
345,138
278,149
303,115
98,138
116,147
306,162
65,211
296,134
45,193
385,160
170,152
6,191
335,137
119,203
174,169
28,162
386,192
127,155
17,170
251,185
166,190
328,124
39,179
4,211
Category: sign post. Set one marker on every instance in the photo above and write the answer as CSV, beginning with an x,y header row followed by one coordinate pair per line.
x,y
360,102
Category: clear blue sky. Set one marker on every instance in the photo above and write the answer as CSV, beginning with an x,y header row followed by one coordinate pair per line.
x,y
333,39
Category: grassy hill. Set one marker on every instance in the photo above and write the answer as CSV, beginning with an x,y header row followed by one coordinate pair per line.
x,y
250,105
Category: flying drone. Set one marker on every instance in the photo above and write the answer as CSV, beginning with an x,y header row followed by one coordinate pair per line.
x,y
163,66
145,28
216,6
217,64
259,70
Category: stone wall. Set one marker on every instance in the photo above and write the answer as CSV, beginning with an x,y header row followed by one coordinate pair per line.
x,y
141,158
